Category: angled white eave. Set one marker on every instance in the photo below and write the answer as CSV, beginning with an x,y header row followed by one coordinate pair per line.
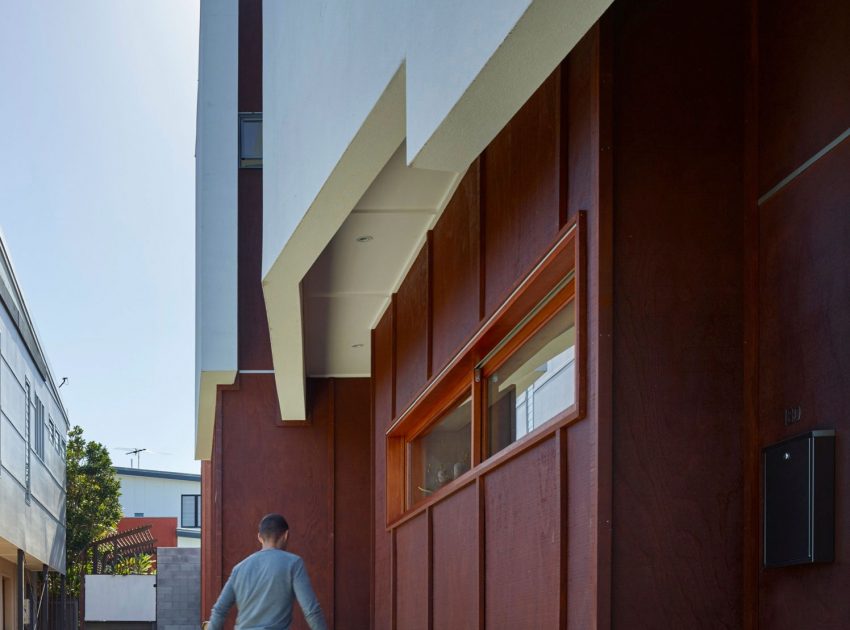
x,y
466,69
216,264
369,151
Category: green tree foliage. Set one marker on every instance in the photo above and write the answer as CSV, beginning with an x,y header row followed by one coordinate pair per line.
x,y
93,508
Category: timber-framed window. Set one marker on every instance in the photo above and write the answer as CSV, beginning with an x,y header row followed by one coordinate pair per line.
x,y
441,453
518,380
531,380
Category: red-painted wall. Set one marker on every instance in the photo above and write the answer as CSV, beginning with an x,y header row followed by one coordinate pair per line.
x,y
163,528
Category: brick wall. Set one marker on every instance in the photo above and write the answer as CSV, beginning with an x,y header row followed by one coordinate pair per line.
x,y
178,588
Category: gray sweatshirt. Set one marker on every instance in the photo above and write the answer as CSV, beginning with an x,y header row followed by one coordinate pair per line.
x,y
263,587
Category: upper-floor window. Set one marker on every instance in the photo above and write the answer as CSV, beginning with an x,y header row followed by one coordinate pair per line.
x,y
28,421
38,428
190,510
251,140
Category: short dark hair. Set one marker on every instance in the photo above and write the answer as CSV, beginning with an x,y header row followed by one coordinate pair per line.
x,y
273,526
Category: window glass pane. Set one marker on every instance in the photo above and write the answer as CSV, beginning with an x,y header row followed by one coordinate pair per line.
x,y
440,455
187,516
252,139
535,384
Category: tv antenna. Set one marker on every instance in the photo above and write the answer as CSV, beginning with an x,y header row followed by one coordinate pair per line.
x,y
137,453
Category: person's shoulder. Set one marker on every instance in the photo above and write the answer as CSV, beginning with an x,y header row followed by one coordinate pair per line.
x,y
287,556
247,560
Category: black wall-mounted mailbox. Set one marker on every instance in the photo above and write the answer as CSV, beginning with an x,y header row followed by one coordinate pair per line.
x,y
799,500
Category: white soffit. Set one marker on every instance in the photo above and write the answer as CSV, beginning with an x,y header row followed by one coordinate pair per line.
x,y
350,284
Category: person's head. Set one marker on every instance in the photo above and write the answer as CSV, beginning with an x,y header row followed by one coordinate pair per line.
x,y
273,532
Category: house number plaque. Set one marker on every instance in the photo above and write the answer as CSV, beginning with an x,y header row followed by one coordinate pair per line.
x,y
793,415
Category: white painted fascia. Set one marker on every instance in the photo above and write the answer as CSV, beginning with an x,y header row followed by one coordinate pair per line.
x,y
207,397
450,134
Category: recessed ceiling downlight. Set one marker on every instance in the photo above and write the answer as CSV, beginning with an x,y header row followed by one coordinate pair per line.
x,y
364,239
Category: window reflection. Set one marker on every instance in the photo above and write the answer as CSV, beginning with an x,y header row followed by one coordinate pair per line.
x,y
535,384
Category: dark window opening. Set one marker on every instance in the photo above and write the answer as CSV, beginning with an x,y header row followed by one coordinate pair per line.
x,y
190,510
250,140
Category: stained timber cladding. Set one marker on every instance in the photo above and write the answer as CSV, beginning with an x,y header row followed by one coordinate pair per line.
x,y
454,524
455,290
446,565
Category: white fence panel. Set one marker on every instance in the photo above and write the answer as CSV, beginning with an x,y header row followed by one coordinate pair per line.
x,y
120,598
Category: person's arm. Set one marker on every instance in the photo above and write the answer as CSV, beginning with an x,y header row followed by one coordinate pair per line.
x,y
223,605
307,598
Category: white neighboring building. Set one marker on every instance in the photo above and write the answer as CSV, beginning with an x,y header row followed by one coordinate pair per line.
x,y
33,430
157,493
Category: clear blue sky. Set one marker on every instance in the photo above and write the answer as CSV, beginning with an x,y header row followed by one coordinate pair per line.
x,y
97,102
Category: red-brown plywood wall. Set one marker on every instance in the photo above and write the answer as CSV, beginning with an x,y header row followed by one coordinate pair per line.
x,y
519,206
523,545
253,328
802,288
804,82
456,270
382,349
317,476
352,510
271,469
250,56
411,332
412,591
521,188
804,357
678,304
254,347
454,552
207,587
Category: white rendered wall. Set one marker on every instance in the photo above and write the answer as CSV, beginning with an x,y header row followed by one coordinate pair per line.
x,y
187,542
154,497
120,598
326,64
216,218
